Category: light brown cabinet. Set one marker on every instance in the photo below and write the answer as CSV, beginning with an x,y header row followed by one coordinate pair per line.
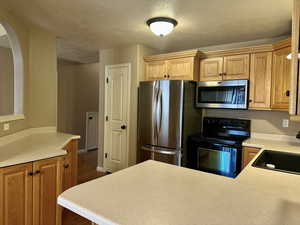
x,y
16,195
248,154
234,67
211,69
173,66
281,79
28,192
156,70
70,165
47,185
260,80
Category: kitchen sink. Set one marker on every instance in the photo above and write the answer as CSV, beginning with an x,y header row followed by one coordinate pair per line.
x,y
278,161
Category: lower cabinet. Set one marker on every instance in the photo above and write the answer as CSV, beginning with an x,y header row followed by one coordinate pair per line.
x,y
47,185
16,198
248,154
70,165
28,192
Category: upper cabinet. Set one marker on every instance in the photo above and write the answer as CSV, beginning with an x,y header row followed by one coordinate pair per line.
x,y
281,79
260,80
211,69
234,67
173,66
156,70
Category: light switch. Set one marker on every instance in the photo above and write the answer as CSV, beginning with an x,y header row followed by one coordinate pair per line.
x,y
6,126
285,123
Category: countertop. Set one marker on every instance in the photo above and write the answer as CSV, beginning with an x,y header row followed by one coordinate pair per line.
x,y
155,193
32,145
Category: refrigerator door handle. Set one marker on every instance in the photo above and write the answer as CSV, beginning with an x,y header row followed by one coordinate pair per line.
x,y
159,111
154,117
153,149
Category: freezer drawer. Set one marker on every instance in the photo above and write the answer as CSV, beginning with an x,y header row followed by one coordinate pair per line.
x,y
159,154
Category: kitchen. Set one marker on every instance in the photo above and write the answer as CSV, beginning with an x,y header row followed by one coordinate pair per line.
x,y
226,117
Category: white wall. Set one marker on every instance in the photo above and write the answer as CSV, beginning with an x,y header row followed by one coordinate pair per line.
x,y
78,93
40,77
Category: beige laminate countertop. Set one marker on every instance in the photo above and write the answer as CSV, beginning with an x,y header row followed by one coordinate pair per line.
x,y
154,193
32,145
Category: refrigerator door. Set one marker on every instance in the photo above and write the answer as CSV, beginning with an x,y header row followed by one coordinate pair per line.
x,y
148,93
169,114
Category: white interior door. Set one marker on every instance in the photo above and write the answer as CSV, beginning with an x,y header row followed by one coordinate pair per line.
x,y
117,99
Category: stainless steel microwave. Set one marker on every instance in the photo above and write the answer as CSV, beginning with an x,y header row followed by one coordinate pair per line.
x,y
231,94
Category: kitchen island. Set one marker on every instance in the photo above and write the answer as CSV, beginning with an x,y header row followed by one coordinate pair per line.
x,y
154,193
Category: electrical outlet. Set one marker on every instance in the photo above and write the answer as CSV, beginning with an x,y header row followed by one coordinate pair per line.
x,y
285,123
6,126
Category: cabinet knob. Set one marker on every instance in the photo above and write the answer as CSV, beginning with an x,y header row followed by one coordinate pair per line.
x,y
168,76
287,93
250,100
66,166
30,174
224,74
165,76
123,127
37,172
221,74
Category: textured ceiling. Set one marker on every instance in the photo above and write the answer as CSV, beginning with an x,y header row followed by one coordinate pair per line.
x,y
93,24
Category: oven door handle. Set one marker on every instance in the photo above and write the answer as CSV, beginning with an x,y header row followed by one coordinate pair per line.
x,y
211,150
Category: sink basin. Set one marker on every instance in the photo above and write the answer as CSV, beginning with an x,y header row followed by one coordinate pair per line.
x,y
278,161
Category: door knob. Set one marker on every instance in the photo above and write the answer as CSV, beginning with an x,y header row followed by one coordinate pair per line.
x,y
123,127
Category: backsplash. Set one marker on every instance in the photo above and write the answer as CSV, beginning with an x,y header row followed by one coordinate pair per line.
x,y
269,122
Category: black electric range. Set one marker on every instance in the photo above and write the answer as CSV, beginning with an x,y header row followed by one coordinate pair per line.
x,y
218,149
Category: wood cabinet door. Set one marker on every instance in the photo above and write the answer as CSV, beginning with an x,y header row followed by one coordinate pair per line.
x,y
16,195
248,154
47,185
260,80
211,69
281,78
70,165
236,67
181,69
156,70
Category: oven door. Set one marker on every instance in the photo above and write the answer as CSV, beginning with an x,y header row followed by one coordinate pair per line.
x,y
222,94
219,159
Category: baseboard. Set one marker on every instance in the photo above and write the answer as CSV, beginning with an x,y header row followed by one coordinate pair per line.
x,y
101,169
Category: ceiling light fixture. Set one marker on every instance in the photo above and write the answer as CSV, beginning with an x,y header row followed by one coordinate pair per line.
x,y
161,26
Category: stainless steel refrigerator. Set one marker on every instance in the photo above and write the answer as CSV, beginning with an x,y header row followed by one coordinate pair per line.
x,y
166,116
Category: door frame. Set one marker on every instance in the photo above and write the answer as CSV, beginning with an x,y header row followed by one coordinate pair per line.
x,y
107,67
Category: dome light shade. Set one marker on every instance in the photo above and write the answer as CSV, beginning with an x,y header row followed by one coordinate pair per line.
x,y
161,26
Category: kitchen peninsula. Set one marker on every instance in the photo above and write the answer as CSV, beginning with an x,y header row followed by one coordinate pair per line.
x,y
158,193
